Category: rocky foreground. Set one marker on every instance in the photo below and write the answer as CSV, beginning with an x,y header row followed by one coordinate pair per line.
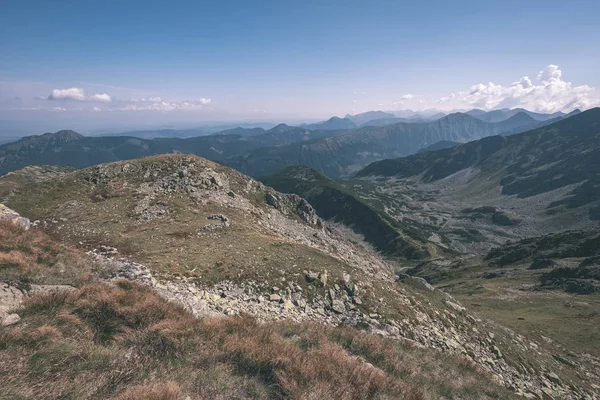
x,y
452,330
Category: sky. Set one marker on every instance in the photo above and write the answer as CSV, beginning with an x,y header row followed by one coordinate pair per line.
x,y
93,65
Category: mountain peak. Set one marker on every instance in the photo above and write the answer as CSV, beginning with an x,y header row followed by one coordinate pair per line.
x,y
521,116
333,123
362,118
66,135
59,137
457,116
279,128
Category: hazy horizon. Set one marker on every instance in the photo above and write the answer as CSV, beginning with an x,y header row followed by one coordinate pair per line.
x,y
97,66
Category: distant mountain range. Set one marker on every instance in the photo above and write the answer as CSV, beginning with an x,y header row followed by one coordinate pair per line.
x,y
555,156
226,129
454,197
334,123
334,149
505,113
360,119
348,152
68,148
241,131
389,121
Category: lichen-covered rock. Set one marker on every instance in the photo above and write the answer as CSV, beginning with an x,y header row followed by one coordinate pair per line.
x,y
14,217
311,276
293,204
10,298
455,306
275,297
223,222
338,306
10,319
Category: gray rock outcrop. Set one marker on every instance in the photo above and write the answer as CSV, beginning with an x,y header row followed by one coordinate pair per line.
x,y
13,216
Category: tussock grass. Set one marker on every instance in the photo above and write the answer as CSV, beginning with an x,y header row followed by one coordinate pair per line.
x,y
124,342
32,256
160,391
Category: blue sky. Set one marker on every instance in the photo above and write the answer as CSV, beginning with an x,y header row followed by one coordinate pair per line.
x,y
188,61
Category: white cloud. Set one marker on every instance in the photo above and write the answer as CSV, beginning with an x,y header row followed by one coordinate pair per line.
x,y
95,99
400,103
37,108
103,97
67,94
550,74
551,94
147,100
524,82
445,99
40,108
78,94
157,104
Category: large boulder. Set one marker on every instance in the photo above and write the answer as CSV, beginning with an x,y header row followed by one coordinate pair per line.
x,y
10,299
10,319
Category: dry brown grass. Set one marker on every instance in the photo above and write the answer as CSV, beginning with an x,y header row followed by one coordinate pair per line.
x,y
321,370
125,342
160,391
32,256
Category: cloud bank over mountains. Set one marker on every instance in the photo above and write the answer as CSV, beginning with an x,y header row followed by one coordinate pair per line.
x,y
157,104
546,92
70,97
550,94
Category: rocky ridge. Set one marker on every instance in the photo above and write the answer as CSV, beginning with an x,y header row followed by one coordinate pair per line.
x,y
452,330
